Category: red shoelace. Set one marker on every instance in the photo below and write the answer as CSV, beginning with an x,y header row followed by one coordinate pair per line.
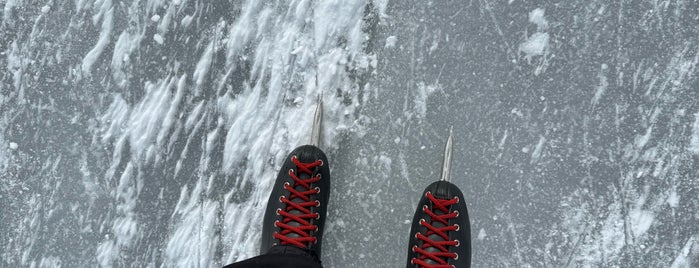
x,y
437,256
303,230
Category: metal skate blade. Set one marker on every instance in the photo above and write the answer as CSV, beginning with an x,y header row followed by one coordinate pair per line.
x,y
317,122
446,166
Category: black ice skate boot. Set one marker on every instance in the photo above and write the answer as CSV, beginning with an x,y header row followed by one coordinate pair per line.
x,y
297,207
440,236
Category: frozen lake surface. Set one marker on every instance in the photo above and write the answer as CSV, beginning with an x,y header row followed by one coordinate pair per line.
x,y
148,133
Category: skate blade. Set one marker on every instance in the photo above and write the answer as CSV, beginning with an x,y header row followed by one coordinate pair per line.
x,y
446,165
317,122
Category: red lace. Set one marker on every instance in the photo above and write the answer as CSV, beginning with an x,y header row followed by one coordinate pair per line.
x,y
303,230
443,254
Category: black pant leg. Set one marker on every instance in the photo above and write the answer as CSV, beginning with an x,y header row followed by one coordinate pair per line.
x,y
281,257
276,260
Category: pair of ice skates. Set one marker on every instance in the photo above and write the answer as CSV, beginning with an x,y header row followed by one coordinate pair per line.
x,y
295,215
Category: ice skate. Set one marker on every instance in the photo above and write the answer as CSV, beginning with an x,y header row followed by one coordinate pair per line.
x,y
296,210
440,236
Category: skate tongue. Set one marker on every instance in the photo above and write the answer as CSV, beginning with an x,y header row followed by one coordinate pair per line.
x,y
300,188
308,155
435,237
441,190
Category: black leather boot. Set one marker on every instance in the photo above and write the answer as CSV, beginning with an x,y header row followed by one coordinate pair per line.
x,y
440,236
297,206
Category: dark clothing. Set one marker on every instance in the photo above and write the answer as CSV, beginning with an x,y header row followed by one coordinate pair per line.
x,y
282,257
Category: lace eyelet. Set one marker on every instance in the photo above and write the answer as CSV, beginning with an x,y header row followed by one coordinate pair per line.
x,y
457,226
275,223
458,243
291,172
416,235
412,261
457,256
287,184
424,208
457,199
294,157
428,193
457,213
277,211
317,203
317,226
321,162
317,190
317,218
281,199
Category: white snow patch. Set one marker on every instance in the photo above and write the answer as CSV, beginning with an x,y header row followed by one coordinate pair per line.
x,y
641,220
152,116
694,142
385,163
114,119
186,21
481,234
391,41
501,145
423,93
7,11
102,41
612,232
381,5
194,230
535,45
158,39
106,253
673,199
536,154
683,260
517,112
608,236
13,146
155,18
536,16
642,140
603,84
3,152
49,261
125,226
45,9
202,69
125,45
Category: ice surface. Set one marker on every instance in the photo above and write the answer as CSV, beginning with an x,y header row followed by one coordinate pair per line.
x,y
148,133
